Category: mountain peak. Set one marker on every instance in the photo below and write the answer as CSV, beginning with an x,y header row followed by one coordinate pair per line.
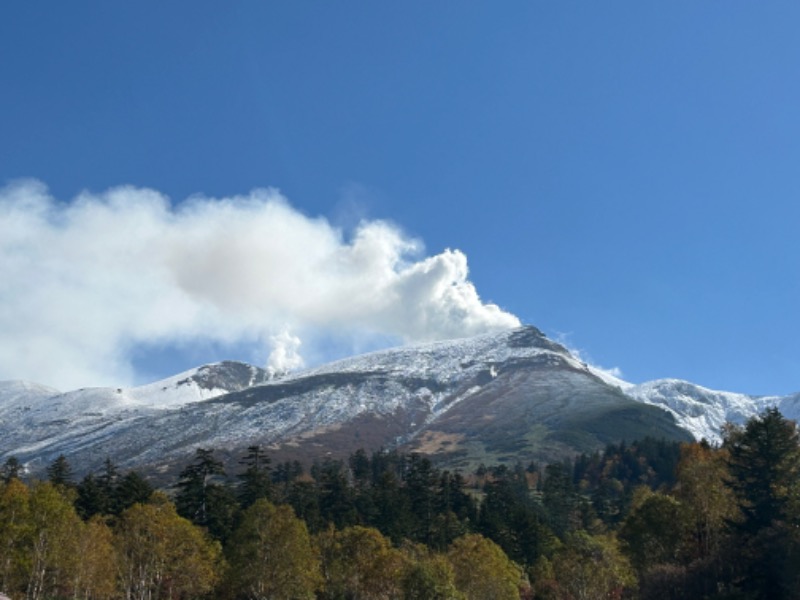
x,y
228,375
529,336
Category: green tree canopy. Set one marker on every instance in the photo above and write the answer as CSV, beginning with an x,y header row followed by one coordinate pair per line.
x,y
654,530
360,563
271,555
163,555
482,569
592,568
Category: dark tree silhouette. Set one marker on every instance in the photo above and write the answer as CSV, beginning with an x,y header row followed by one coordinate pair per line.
x,y
202,496
60,472
764,466
256,480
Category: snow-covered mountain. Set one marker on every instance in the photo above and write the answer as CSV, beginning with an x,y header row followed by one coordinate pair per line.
x,y
507,396
36,421
702,411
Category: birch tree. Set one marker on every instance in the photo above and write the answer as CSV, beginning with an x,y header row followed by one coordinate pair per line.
x,y
271,555
162,556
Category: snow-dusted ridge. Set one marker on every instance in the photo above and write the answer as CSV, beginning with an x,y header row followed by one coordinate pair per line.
x,y
193,385
231,404
703,411
429,378
201,383
34,417
449,359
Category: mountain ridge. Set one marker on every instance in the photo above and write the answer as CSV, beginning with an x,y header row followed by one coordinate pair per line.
x,y
498,396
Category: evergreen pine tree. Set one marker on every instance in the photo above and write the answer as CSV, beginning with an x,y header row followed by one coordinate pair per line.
x,y
92,498
60,472
203,499
131,489
560,498
256,482
421,483
107,481
11,469
336,498
764,467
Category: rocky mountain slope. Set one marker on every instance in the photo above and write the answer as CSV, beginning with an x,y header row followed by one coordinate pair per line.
x,y
509,396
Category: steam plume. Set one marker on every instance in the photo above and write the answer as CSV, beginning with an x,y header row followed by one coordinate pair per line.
x,y
87,282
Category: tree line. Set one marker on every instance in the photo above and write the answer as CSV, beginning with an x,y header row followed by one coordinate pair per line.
x,y
649,519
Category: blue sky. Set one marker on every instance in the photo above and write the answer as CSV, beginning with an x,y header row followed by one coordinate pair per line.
x,y
621,175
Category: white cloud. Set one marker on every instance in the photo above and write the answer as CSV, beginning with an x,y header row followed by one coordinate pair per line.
x,y
86,282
